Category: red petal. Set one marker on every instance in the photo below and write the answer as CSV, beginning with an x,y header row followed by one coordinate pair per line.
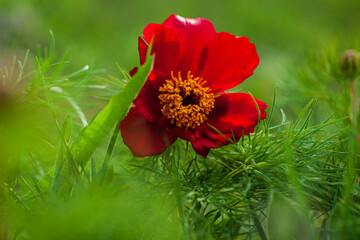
x,y
193,34
227,61
148,104
210,138
204,151
142,137
133,71
236,112
201,147
165,47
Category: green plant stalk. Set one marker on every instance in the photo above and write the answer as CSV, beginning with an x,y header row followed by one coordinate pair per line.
x,y
350,174
109,151
354,110
3,222
178,198
91,137
61,168
257,222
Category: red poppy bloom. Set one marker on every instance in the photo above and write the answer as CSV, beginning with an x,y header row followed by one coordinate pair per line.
x,y
184,95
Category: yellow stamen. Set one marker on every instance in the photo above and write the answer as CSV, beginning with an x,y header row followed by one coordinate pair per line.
x,y
186,102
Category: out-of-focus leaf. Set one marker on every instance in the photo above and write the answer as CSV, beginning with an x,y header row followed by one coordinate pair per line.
x,y
135,213
61,167
286,221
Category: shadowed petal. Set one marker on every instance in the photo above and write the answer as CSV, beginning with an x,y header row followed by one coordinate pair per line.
x,y
197,144
236,112
165,47
148,104
212,139
142,137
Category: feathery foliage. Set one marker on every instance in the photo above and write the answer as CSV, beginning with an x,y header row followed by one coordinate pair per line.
x,y
64,177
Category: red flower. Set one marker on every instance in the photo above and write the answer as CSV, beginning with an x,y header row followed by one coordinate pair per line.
x,y
184,96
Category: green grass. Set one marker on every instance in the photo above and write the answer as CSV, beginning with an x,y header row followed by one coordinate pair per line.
x,y
67,176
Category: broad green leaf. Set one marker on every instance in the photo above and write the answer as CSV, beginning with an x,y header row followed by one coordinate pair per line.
x,y
285,221
86,143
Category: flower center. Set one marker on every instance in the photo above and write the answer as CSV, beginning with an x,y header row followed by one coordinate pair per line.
x,y
186,102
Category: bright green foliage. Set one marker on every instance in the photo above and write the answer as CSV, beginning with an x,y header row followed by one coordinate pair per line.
x,y
61,167
227,194
290,179
91,136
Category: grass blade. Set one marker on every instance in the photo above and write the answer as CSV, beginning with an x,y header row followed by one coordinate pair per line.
x,y
86,143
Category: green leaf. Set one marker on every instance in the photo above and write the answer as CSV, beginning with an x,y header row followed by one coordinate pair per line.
x,y
109,151
86,143
286,221
303,111
61,170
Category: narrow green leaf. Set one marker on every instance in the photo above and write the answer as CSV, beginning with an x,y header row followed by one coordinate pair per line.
x,y
302,113
125,74
80,71
257,107
108,154
61,170
272,109
52,44
307,120
86,143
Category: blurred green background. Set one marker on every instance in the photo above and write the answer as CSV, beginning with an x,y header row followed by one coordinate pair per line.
x,y
101,32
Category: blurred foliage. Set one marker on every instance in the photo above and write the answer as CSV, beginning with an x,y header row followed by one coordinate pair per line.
x,y
134,213
103,32
320,74
44,193
286,221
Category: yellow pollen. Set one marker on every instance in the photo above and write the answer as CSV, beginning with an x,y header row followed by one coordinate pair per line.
x,y
186,102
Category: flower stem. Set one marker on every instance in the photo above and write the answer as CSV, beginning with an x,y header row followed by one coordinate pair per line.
x,y
257,223
355,111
